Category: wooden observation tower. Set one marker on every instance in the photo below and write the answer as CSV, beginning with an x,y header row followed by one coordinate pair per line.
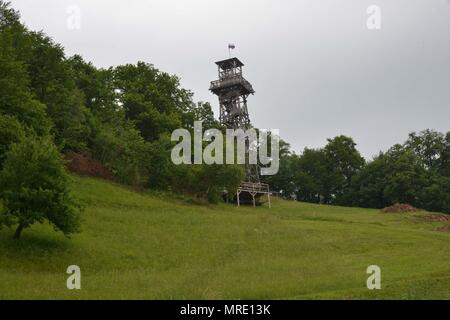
x,y
233,90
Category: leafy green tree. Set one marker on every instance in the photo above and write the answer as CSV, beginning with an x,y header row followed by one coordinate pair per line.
x,y
8,15
34,188
429,146
152,99
37,85
202,111
344,161
311,176
53,83
97,86
16,99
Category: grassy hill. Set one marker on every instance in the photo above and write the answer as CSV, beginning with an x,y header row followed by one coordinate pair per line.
x,y
137,245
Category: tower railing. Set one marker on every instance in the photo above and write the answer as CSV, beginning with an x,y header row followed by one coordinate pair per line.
x,y
231,81
254,189
255,186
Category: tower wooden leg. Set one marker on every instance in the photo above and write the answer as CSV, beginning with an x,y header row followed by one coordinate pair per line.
x,y
237,195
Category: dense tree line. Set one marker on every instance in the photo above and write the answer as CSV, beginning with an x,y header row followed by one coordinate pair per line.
x,y
416,172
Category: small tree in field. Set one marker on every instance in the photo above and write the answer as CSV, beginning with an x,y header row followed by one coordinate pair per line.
x,y
34,188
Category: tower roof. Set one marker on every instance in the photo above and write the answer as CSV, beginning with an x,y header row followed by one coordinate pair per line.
x,y
229,63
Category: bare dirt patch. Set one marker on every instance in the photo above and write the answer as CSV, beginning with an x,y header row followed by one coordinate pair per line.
x,y
437,217
400,208
85,165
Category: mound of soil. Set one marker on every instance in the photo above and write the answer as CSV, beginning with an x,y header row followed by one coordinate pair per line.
x,y
400,208
437,217
85,165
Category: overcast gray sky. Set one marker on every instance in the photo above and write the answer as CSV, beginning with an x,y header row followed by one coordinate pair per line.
x,y
318,71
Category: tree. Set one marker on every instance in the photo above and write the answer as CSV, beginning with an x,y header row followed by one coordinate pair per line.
x,y
34,188
202,111
97,86
16,99
344,161
429,146
311,179
154,100
16,96
7,15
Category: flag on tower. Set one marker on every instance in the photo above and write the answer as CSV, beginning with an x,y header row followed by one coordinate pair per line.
x,y
231,46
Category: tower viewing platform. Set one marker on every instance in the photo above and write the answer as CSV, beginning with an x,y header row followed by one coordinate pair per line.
x,y
230,78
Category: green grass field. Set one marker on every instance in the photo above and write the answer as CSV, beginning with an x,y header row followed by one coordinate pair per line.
x,y
138,245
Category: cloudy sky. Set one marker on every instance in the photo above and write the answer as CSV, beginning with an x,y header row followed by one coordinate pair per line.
x,y
318,71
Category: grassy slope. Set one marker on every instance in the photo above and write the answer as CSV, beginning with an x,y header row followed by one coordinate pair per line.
x,y
140,246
